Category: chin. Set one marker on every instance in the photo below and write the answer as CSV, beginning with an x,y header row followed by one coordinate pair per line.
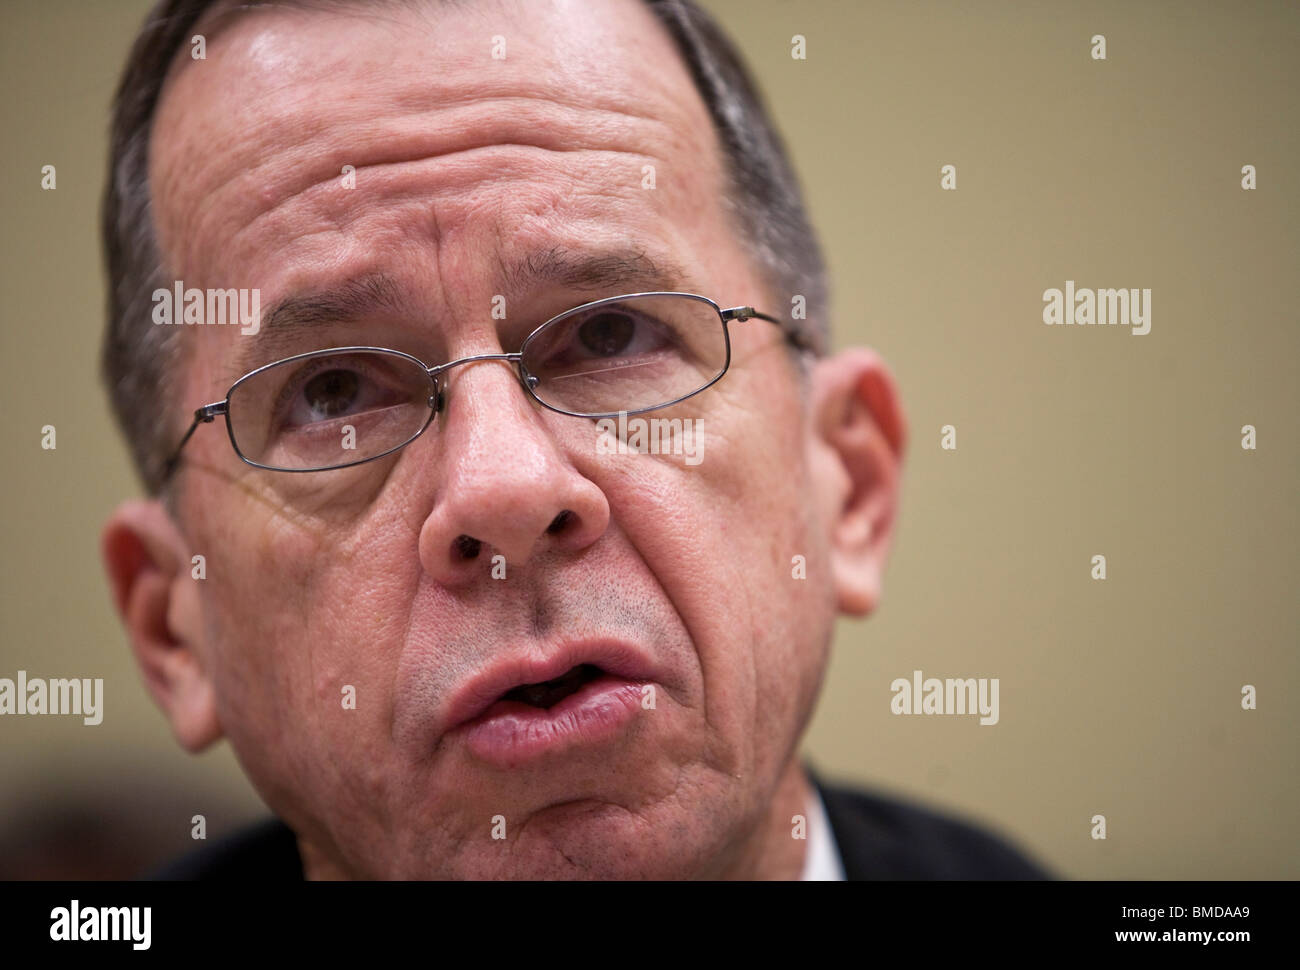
x,y
582,841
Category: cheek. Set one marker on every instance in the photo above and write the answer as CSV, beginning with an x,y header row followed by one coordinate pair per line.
x,y
766,528
720,537
304,629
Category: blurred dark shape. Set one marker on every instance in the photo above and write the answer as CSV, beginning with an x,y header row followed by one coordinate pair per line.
x,y
107,831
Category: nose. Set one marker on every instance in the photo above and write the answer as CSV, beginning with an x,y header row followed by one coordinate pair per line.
x,y
507,486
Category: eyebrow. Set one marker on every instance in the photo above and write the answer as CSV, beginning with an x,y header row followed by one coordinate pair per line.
x,y
352,299
618,271
594,271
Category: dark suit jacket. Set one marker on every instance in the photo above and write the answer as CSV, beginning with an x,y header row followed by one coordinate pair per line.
x,y
878,837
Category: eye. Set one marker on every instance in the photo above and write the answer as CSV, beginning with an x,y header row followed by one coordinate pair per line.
x,y
333,389
326,409
330,394
633,353
607,334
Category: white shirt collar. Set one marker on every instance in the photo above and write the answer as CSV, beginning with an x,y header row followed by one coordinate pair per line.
x,y
821,860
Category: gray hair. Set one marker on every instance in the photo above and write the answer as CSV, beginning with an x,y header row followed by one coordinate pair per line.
x,y
139,361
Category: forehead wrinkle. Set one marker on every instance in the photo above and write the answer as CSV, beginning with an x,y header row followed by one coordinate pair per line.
x,y
309,165
316,101
408,212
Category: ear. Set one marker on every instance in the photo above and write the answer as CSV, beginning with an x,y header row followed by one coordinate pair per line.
x,y
859,433
149,569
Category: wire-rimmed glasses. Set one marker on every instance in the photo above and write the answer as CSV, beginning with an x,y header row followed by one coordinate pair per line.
x,y
344,406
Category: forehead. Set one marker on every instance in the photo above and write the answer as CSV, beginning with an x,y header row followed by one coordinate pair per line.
x,y
476,132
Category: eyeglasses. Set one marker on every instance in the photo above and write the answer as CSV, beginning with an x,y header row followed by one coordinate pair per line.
x,y
348,405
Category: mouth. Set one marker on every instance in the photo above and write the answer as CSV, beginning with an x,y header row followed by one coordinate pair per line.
x,y
551,692
521,711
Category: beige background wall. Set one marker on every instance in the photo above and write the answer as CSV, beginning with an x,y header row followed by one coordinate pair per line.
x,y
1119,697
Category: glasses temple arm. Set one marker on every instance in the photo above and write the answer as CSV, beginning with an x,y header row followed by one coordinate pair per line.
x,y
203,415
793,337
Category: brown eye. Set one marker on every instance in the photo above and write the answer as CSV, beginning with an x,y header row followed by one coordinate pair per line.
x,y
331,393
607,334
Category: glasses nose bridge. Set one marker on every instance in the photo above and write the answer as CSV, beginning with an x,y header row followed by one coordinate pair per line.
x,y
440,369
436,373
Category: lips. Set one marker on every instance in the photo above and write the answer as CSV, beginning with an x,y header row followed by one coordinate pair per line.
x,y
523,708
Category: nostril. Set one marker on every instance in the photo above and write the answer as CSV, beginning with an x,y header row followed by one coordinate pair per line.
x,y
559,522
466,547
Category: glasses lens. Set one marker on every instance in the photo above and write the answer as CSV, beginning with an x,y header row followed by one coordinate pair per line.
x,y
627,355
329,409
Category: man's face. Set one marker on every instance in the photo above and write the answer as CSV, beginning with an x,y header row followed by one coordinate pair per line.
x,y
356,582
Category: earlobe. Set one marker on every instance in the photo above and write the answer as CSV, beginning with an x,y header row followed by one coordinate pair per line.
x,y
860,424
148,570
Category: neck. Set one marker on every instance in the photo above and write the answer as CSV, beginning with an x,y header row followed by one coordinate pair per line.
x,y
773,853
317,865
